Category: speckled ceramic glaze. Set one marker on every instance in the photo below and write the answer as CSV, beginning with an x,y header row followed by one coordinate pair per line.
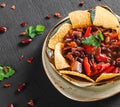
x,y
70,90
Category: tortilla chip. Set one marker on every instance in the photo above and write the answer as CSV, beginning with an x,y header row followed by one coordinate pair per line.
x,y
77,82
80,19
105,18
73,73
60,61
59,35
106,76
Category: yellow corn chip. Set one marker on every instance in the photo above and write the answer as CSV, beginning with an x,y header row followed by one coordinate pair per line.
x,y
80,19
106,76
60,61
105,18
66,72
59,35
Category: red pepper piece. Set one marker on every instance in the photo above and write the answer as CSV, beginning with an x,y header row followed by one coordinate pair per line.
x,y
101,57
87,66
109,69
88,31
89,49
102,67
116,70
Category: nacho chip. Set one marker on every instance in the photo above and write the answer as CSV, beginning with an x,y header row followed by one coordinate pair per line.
x,y
105,18
106,76
77,74
60,61
77,82
80,19
59,35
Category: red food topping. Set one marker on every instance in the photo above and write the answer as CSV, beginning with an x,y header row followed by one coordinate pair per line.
x,y
23,24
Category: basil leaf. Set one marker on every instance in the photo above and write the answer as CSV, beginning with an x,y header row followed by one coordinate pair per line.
x,y
92,15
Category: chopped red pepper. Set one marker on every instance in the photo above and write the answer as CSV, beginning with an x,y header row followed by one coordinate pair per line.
x,y
89,49
116,70
101,57
109,69
102,67
87,66
88,31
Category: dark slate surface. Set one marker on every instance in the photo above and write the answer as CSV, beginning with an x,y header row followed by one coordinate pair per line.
x,y
39,87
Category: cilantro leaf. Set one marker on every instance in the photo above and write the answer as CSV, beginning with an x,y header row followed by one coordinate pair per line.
x,y
31,31
3,74
100,36
34,31
91,40
39,29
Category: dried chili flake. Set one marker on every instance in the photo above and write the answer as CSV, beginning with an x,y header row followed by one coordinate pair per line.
x,y
21,86
10,105
3,5
21,57
23,24
81,3
31,103
48,16
6,85
30,60
23,33
13,7
58,15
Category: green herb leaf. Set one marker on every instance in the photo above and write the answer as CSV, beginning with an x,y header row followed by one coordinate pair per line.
x,y
34,31
4,74
91,40
31,31
39,29
100,36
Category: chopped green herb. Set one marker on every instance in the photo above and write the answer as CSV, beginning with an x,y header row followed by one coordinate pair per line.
x,y
39,29
7,74
91,40
34,31
100,36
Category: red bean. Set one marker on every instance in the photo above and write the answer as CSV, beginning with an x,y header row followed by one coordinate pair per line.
x,y
23,24
31,103
21,86
30,60
10,105
26,41
3,29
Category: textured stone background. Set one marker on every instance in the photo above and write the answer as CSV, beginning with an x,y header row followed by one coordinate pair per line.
x,y
39,87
